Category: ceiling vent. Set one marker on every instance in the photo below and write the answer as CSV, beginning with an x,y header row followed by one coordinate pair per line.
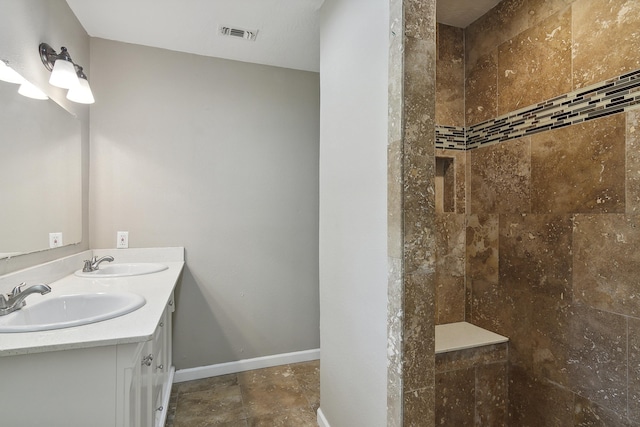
x,y
238,33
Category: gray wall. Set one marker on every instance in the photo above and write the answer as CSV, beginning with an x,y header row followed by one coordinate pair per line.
x,y
24,24
220,157
353,211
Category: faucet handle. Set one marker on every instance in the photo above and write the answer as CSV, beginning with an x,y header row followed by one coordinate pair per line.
x,y
16,291
88,265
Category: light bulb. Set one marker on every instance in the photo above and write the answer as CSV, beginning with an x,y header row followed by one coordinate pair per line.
x,y
64,74
82,93
31,91
9,75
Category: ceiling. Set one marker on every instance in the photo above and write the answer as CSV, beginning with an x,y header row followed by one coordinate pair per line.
x,y
461,13
288,30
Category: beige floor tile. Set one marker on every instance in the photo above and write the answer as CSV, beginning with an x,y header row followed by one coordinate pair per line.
x,y
277,375
290,418
269,399
206,383
203,408
281,396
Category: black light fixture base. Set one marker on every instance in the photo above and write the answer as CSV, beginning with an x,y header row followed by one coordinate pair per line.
x,y
48,55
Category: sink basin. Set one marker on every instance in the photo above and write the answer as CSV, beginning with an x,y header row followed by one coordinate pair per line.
x,y
122,270
65,311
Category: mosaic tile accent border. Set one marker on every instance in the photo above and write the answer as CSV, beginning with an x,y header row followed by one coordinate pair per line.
x,y
612,96
451,137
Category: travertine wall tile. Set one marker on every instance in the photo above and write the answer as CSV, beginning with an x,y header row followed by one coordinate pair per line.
x,y
505,21
550,341
455,397
633,162
395,241
606,39
450,268
482,248
472,357
394,200
500,177
419,408
418,351
579,168
484,295
577,349
418,147
420,19
471,386
559,286
634,370
419,215
536,64
598,355
394,344
396,71
419,157
491,395
606,262
481,89
590,414
483,36
535,256
467,182
535,402
419,96
450,76
535,266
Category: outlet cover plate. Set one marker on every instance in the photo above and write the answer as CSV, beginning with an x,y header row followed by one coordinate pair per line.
x,y
55,240
123,240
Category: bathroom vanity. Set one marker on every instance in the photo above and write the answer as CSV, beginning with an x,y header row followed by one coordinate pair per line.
x,y
115,372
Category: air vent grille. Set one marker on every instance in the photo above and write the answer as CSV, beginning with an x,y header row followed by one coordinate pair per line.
x,y
238,33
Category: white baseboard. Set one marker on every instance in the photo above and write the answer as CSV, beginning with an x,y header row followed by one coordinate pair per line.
x,y
322,421
201,372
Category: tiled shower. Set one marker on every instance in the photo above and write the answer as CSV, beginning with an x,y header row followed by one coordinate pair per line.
x,y
538,210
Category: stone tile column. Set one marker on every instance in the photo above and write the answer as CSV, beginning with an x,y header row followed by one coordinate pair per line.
x,y
412,244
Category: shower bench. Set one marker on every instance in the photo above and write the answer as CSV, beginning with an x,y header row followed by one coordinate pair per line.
x,y
471,375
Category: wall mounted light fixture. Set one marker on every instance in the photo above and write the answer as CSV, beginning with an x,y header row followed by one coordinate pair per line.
x,y
31,91
66,74
9,75
26,88
81,93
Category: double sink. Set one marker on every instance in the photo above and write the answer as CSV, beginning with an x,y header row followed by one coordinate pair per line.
x,y
53,311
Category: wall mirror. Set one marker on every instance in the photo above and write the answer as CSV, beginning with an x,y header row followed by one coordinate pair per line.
x,y
40,173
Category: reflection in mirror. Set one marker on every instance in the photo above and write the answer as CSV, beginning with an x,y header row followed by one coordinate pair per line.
x,y
40,173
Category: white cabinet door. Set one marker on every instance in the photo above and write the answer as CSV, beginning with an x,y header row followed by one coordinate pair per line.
x,y
147,401
163,372
59,388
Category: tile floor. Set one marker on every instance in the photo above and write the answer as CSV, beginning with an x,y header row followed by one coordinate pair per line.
x,y
282,396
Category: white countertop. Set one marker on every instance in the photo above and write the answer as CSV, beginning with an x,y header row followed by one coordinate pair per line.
x,y
136,326
463,335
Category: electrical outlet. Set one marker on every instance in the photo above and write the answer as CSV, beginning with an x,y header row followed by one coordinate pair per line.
x,y
123,240
55,240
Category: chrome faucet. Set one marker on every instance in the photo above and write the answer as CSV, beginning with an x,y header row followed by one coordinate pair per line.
x,y
94,263
16,299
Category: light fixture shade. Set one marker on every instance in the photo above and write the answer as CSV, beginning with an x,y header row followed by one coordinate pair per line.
x,y
64,74
82,93
9,75
31,91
